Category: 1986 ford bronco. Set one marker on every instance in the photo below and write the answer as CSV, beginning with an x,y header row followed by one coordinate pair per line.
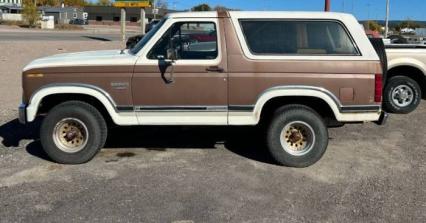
x,y
295,72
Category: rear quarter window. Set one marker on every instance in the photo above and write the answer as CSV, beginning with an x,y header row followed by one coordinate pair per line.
x,y
283,37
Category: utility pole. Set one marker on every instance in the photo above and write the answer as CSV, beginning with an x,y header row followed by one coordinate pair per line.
x,y
143,25
327,6
387,19
154,7
123,25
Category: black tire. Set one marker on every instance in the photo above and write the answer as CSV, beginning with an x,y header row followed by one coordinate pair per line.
x,y
86,114
284,117
392,85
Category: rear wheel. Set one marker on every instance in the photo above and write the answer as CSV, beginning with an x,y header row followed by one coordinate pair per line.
x,y
402,95
297,136
73,132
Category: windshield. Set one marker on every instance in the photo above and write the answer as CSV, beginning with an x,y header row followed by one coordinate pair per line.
x,y
147,37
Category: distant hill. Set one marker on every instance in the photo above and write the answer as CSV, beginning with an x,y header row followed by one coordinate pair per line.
x,y
393,23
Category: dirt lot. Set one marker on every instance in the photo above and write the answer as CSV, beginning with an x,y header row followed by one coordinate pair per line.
x,y
369,173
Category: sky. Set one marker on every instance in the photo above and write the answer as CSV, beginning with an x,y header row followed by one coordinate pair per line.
x,y
362,9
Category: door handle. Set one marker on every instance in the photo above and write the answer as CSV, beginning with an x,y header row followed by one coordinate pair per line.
x,y
215,69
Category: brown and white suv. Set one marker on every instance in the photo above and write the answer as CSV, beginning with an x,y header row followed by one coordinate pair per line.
x,y
296,72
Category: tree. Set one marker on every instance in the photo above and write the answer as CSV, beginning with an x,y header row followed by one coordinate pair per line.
x,y
104,2
74,3
374,26
30,13
407,24
48,2
201,7
223,8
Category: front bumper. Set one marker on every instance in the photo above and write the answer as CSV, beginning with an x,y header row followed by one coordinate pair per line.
x,y
23,113
383,118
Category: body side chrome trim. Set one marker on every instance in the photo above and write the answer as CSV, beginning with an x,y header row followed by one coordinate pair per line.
x,y
359,108
181,108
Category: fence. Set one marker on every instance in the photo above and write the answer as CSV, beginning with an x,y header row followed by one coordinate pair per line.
x,y
10,17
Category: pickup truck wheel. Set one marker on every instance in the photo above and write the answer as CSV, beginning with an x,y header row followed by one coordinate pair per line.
x,y
73,132
297,136
402,95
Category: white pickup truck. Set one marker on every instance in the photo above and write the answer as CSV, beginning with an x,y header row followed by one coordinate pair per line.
x,y
406,78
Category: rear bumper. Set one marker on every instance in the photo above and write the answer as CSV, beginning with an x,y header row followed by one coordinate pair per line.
x,y
22,113
383,118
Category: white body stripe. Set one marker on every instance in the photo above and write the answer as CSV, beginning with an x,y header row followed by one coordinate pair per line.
x,y
197,117
183,118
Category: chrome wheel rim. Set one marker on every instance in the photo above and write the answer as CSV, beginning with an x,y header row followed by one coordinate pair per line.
x,y
70,135
297,138
403,95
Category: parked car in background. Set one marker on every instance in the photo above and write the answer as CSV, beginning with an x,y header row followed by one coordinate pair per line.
x,y
79,22
406,84
133,40
295,73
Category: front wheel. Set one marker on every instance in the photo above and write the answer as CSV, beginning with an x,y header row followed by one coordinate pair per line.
x,y
401,95
73,132
297,136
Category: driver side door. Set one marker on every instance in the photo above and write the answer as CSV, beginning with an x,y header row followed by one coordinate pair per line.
x,y
182,78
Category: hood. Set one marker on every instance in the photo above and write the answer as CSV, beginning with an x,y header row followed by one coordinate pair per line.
x,y
102,57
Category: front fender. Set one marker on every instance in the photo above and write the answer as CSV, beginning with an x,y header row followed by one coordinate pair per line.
x,y
90,90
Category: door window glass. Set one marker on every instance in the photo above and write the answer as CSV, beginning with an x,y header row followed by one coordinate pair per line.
x,y
189,41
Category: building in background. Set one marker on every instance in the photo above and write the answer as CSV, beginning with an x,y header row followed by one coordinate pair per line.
x,y
108,15
64,15
10,13
420,32
11,2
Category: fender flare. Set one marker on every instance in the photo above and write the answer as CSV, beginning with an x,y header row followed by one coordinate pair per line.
x,y
83,89
409,62
342,113
299,91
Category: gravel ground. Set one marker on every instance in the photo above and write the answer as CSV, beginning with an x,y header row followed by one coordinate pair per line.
x,y
369,173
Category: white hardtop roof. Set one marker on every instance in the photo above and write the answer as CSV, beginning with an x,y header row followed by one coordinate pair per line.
x,y
209,14
265,14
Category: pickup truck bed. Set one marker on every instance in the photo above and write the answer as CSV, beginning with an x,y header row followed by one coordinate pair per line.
x,y
406,83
